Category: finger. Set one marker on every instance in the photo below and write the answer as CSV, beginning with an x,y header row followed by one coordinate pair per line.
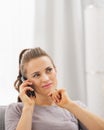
x,y
62,92
50,93
24,84
54,96
26,89
23,94
57,100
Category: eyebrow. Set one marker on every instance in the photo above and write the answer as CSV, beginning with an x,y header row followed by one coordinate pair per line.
x,y
35,73
39,71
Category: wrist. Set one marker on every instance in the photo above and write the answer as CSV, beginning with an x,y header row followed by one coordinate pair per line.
x,y
28,108
70,105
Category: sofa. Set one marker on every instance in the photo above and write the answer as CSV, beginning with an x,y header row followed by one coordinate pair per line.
x,y
2,117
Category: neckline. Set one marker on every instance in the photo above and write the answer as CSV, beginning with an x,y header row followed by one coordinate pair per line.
x,y
54,105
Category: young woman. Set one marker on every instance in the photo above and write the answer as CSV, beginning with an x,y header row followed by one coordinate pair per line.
x,y
43,106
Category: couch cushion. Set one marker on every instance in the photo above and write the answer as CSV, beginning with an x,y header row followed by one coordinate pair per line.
x,y
2,117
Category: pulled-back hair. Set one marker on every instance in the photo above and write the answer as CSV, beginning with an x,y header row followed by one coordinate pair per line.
x,y
25,56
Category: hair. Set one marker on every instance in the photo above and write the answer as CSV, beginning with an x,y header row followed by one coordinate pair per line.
x,y
25,56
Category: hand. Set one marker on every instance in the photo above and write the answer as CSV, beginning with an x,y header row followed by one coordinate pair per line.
x,y
61,98
24,87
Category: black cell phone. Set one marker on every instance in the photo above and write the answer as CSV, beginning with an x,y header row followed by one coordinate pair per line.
x,y
29,92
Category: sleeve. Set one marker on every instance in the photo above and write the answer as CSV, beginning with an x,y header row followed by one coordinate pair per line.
x,y
12,116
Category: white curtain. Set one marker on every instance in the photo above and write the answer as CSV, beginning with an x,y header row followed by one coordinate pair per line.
x,y
94,44
59,29
16,33
64,28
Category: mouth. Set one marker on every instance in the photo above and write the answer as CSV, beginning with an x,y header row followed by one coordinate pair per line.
x,y
47,85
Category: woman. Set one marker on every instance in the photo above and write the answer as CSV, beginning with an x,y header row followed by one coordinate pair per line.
x,y
43,106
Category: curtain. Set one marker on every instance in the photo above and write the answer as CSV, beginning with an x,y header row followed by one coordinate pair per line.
x,y
16,33
94,38
59,30
64,29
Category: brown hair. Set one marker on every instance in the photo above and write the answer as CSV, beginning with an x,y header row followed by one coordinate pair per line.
x,y
25,56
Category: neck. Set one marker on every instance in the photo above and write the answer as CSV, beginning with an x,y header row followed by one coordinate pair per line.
x,y
43,100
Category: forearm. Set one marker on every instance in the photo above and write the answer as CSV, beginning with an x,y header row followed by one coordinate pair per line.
x,y
91,121
25,122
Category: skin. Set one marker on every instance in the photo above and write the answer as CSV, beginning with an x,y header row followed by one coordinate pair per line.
x,y
39,72
90,120
44,81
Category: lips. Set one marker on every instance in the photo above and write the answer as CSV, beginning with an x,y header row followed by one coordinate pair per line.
x,y
47,85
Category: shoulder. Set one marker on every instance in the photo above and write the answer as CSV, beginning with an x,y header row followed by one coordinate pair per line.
x,y
18,105
71,115
78,102
14,108
12,115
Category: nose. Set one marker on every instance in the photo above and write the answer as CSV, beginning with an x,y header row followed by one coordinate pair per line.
x,y
44,77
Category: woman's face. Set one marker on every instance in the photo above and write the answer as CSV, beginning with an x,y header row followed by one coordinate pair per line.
x,y
42,74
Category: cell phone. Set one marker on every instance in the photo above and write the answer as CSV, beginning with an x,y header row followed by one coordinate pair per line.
x,y
29,92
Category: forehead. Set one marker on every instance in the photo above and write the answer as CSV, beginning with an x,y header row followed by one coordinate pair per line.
x,y
37,64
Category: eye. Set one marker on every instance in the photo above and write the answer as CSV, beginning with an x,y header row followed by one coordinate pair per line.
x,y
37,75
49,69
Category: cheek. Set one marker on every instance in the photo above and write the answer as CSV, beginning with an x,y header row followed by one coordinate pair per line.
x,y
36,87
54,77
35,84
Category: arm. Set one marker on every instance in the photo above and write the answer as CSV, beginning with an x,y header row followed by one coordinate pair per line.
x,y
26,119
25,122
88,119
